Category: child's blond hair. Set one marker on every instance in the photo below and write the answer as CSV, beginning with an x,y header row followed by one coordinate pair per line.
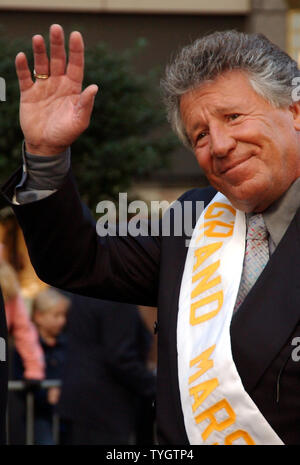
x,y
46,300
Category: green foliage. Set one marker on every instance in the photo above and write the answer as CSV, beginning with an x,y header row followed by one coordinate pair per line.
x,y
10,133
127,137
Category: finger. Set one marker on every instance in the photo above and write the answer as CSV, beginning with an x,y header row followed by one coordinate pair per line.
x,y
57,50
23,72
86,103
76,57
41,62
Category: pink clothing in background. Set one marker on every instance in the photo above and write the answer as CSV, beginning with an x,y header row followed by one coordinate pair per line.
x,y
26,338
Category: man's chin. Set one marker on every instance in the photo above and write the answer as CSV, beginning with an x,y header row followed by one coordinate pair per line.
x,y
242,202
243,196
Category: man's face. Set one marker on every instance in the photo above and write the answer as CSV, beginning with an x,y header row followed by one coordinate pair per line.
x,y
248,149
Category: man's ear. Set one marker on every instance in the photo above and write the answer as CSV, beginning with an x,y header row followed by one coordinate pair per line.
x,y
295,109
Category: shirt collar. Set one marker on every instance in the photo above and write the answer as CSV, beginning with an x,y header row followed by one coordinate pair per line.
x,y
280,214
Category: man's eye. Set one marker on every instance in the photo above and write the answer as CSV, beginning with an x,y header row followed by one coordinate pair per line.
x,y
233,116
200,136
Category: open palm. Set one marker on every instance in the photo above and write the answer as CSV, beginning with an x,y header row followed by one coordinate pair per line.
x,y
54,111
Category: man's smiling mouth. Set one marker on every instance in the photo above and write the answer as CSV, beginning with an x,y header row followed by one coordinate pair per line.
x,y
233,165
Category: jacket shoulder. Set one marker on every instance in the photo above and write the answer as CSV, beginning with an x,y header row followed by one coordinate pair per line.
x,y
205,195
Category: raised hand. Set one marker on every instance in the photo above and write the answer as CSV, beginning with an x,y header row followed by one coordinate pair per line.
x,y
54,111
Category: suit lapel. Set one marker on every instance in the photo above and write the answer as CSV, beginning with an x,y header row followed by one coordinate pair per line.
x,y
265,320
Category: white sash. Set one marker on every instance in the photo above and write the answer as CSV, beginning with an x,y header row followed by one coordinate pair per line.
x,y
216,407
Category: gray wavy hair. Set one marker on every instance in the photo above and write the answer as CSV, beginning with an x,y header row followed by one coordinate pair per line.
x,y
270,70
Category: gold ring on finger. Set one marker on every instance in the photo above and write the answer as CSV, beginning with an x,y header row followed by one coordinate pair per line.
x,y
40,76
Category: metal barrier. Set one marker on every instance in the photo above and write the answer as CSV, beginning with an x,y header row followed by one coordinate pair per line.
x,y
29,424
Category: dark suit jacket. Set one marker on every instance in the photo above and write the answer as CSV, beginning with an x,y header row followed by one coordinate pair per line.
x,y
105,373
148,270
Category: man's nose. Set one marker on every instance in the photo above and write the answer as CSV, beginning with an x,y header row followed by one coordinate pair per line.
x,y
221,141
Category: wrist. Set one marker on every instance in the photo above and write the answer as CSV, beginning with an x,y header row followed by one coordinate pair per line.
x,y
44,150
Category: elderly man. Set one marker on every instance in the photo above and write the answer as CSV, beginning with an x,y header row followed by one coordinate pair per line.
x,y
229,303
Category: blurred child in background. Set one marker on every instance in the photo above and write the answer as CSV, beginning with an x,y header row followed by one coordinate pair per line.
x,y
49,313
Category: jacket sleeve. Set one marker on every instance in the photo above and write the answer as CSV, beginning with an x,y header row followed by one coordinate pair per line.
x,y
67,252
26,340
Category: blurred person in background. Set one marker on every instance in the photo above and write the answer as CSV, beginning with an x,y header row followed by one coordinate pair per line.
x,y
49,312
106,383
25,340
23,331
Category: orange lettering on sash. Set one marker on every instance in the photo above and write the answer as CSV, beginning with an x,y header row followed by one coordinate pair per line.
x,y
210,226
214,425
195,320
206,388
204,284
229,440
204,252
203,362
209,211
